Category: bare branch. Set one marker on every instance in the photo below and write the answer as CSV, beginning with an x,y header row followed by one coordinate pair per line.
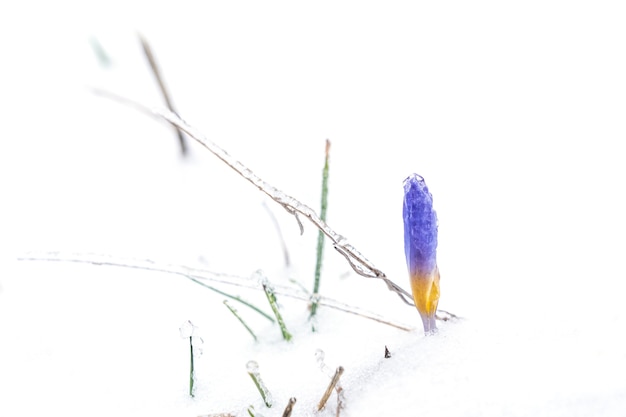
x,y
200,275
358,262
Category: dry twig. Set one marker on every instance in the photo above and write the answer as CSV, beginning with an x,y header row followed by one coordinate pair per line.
x,y
334,383
330,388
147,50
200,275
289,408
359,263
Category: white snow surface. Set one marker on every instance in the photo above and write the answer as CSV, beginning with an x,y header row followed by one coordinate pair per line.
x,y
513,113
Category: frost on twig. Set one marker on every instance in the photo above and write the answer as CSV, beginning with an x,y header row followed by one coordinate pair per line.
x,y
201,276
359,263
334,383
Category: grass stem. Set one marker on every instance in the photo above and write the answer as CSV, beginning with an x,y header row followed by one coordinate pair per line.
x,y
253,371
200,275
271,298
320,235
98,50
192,376
234,297
232,310
187,331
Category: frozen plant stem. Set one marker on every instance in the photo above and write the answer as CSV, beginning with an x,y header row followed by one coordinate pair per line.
x,y
271,298
253,371
320,235
359,263
232,310
234,297
147,50
319,357
200,275
330,388
186,331
289,408
191,370
340,402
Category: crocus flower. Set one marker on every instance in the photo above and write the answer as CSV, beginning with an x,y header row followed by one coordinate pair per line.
x,y
420,248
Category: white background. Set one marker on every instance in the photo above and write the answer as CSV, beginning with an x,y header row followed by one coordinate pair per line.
x,y
514,115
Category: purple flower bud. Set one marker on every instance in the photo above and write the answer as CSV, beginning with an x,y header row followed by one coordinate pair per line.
x,y
420,248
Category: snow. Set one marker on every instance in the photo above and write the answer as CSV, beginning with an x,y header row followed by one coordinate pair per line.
x,y
513,114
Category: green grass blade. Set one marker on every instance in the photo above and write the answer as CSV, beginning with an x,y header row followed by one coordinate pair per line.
x,y
234,297
320,235
271,298
253,371
192,376
99,52
232,310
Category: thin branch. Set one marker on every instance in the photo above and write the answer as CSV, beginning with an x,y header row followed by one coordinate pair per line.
x,y
147,50
200,275
392,286
359,263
